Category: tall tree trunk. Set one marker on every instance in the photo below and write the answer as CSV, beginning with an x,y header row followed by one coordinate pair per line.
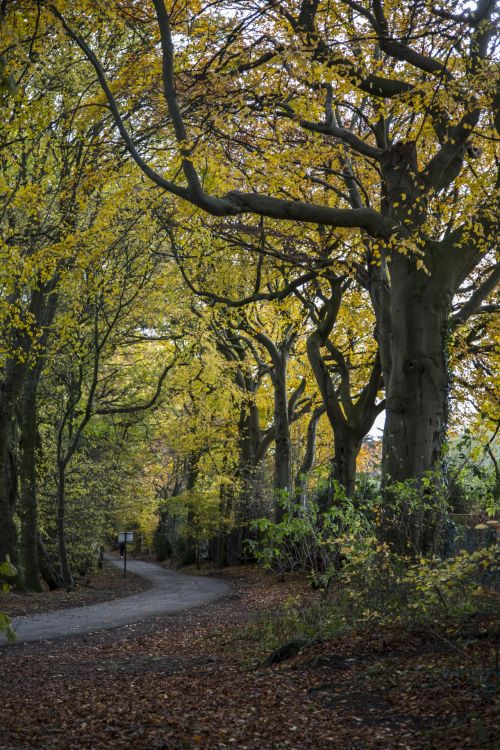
x,y
282,414
220,543
283,446
28,482
252,451
417,390
251,455
347,447
28,460
309,456
47,568
350,419
66,574
191,471
11,386
10,389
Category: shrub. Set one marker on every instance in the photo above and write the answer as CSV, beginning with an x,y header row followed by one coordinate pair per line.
x,y
307,540
7,570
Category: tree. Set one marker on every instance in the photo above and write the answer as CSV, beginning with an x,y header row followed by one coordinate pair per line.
x,y
292,100
106,316
253,335
351,417
50,200
309,456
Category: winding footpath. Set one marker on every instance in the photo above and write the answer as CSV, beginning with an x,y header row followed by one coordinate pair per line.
x,y
170,592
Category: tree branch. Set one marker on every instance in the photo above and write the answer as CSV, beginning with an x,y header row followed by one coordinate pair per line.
x,y
474,303
133,408
182,192
342,134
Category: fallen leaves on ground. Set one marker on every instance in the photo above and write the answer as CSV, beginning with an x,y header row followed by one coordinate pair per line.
x,y
197,680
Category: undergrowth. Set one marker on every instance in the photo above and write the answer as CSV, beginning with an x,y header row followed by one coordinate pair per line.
x,y
376,587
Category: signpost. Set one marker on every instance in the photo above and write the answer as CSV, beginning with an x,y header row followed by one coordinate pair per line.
x,y
123,539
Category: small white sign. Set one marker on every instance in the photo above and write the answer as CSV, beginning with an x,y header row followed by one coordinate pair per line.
x,y
125,536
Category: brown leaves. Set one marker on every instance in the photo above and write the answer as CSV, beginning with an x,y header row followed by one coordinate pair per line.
x,y
190,681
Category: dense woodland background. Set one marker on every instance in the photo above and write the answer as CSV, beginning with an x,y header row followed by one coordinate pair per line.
x,y
234,237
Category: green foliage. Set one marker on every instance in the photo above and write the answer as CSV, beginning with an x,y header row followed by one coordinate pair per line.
x,y
6,628
416,512
307,540
365,580
7,570
85,227
189,521
7,80
471,477
376,586
464,582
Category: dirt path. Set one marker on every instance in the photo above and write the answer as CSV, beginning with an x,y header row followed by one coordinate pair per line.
x,y
169,592
197,680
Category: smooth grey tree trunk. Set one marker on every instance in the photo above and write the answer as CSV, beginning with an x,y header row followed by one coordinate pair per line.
x,y
417,389
284,414
309,457
347,446
417,397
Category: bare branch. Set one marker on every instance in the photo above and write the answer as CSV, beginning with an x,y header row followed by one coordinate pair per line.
x,y
473,305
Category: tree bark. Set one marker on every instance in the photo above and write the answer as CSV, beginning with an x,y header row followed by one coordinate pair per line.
x,y
283,446
309,456
14,375
47,569
28,482
349,419
347,447
10,389
417,389
252,451
190,553
282,416
28,453
66,575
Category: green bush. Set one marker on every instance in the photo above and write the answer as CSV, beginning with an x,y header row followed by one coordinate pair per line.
x,y
472,484
377,587
7,570
306,541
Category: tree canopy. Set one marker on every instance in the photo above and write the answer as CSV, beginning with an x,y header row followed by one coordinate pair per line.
x,y
233,234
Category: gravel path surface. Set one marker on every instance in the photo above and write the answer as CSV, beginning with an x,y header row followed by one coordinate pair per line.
x,y
170,592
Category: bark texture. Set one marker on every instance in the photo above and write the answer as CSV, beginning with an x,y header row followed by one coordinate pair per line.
x,y
28,483
10,389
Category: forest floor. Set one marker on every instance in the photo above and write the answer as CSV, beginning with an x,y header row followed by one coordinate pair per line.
x,y
198,679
